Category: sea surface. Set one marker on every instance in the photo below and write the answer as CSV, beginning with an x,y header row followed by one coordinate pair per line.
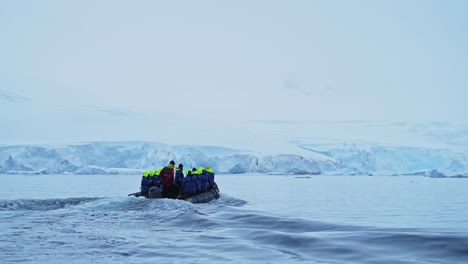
x,y
258,219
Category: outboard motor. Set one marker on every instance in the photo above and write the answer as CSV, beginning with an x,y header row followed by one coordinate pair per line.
x,y
155,192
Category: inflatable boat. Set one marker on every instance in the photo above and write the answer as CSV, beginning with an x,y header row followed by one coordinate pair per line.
x,y
205,197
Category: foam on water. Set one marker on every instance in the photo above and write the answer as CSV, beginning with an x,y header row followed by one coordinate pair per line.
x,y
41,204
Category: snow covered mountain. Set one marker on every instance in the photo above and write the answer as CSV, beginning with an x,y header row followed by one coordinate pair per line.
x,y
328,159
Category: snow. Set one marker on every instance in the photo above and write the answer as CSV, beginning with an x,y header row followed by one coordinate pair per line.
x,y
274,147
330,159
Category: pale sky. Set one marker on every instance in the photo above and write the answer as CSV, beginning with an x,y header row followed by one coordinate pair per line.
x,y
150,70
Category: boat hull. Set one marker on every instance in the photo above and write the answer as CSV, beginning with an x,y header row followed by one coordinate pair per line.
x,y
208,196
204,197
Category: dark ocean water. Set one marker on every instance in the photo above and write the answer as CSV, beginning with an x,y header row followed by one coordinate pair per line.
x,y
258,219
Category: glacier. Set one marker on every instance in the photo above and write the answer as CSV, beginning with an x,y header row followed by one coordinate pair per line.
x,y
132,157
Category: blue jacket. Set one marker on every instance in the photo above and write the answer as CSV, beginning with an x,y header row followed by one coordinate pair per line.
x,y
179,175
155,181
145,184
203,181
195,178
210,176
189,185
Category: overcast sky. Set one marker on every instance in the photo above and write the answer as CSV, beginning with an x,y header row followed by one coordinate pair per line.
x,y
131,66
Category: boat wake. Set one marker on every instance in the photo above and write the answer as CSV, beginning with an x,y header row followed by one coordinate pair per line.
x,y
42,204
109,203
137,230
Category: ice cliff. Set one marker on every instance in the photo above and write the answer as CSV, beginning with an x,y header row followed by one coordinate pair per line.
x,y
134,157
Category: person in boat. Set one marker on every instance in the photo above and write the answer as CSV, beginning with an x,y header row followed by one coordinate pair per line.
x,y
158,171
167,181
179,175
189,185
195,177
150,173
210,175
202,180
145,183
155,181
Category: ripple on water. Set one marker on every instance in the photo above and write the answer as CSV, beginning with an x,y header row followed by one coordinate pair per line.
x,y
133,230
